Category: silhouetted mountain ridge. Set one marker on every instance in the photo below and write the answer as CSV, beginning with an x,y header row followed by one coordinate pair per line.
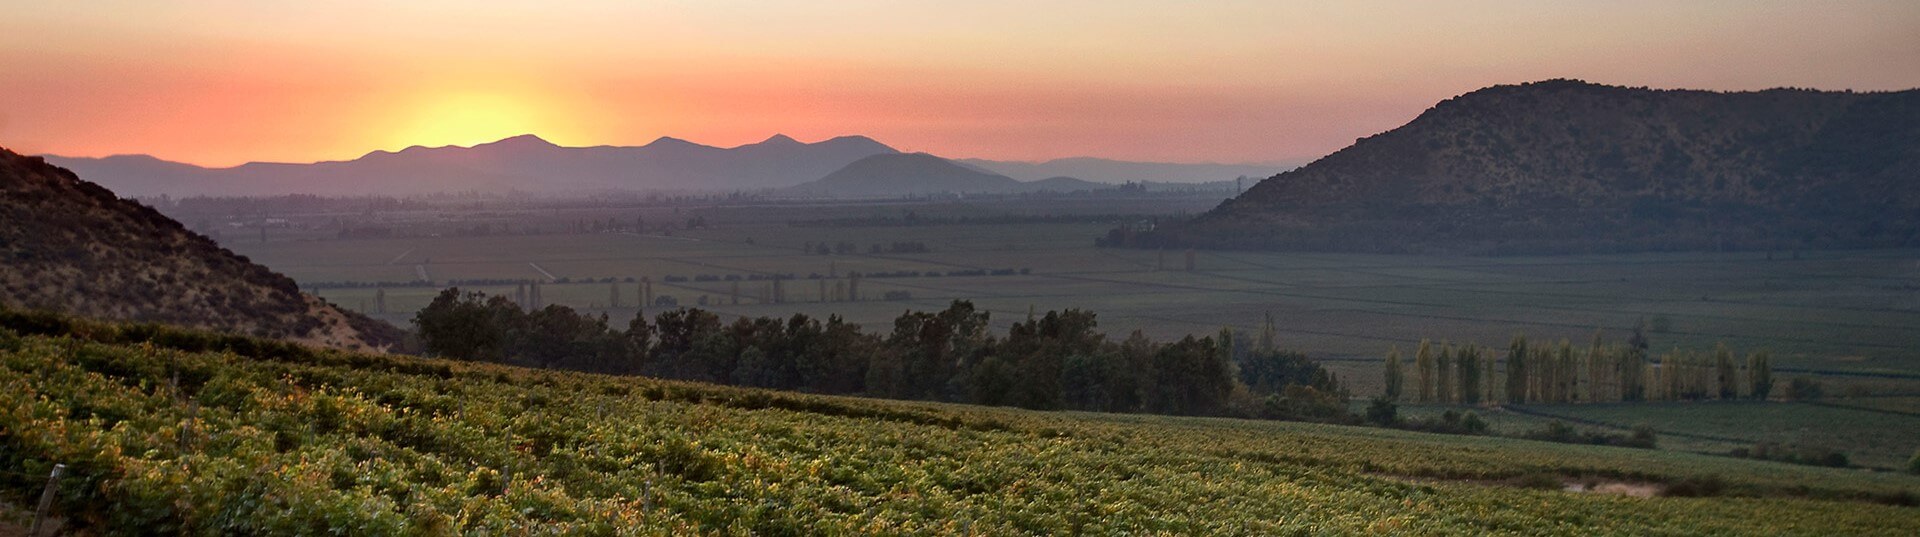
x,y
1565,165
524,163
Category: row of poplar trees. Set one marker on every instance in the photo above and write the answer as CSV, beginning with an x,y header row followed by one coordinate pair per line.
x,y
1560,373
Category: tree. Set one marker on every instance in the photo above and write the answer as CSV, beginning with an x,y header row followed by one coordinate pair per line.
x,y
1596,369
1760,375
1517,370
1036,351
1724,373
933,348
1444,384
1190,377
1394,375
1566,373
685,346
1271,372
1468,360
1381,411
1631,362
1268,334
462,327
1423,361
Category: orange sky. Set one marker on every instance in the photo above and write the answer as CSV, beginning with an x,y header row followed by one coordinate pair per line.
x,y
224,82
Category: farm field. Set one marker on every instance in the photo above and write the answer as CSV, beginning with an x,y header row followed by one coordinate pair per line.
x,y
1847,315
1866,435
1850,319
279,442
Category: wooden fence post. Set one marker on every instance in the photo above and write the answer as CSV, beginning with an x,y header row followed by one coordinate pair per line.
x,y
46,500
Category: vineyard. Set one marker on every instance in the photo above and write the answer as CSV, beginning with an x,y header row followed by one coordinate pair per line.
x,y
172,432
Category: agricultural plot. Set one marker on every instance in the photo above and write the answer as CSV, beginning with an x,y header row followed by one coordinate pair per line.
x,y
1847,313
279,443
1848,318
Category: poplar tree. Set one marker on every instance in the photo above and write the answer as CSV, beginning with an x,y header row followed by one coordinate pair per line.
x,y
1486,376
1725,374
1394,375
1468,361
1760,375
1565,375
1423,361
1444,365
1517,370
1632,373
1595,368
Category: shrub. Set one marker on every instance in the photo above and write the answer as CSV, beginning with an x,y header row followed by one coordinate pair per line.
x,y
1383,412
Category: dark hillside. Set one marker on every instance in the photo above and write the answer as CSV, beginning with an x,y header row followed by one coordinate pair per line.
x,y
72,246
1568,166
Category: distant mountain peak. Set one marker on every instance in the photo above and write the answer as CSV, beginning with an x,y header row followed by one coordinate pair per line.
x,y
779,139
524,140
668,141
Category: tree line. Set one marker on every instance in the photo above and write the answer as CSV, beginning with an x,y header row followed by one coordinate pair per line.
x,y
1560,373
1054,361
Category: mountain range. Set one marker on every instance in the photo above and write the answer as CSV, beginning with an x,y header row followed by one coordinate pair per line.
x,y
1567,165
74,247
528,163
916,174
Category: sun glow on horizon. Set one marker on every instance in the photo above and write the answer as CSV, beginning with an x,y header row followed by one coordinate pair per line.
x,y
224,82
467,118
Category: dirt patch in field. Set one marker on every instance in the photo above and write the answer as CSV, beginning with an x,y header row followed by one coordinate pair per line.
x,y
1637,489
1623,488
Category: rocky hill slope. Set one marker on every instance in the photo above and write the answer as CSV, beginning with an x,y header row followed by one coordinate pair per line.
x,y
72,246
1565,165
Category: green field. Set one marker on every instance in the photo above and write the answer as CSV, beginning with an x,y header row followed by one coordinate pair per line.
x,y
1829,312
1868,436
281,442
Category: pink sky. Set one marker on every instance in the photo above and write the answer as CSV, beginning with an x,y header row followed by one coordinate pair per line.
x,y
224,82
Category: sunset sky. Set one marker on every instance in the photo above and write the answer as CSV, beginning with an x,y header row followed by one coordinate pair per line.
x,y
224,82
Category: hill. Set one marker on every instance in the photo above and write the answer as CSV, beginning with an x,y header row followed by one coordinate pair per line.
x,y
919,174
1124,171
285,440
75,247
886,176
524,163
1569,166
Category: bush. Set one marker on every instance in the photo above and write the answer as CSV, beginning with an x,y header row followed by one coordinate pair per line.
x,y
1381,411
1696,487
1473,424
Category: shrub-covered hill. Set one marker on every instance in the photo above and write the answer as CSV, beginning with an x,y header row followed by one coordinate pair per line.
x,y
271,438
1569,166
72,246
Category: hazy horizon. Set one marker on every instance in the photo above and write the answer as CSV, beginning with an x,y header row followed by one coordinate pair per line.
x,y
1288,163
223,83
